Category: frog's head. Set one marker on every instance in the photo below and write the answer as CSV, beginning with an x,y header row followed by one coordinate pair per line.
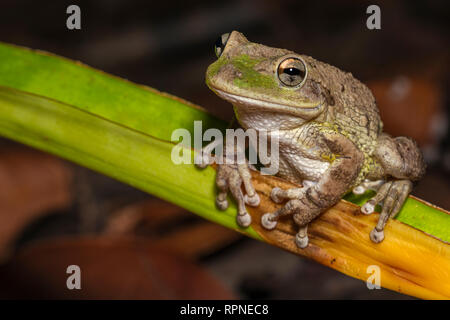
x,y
257,78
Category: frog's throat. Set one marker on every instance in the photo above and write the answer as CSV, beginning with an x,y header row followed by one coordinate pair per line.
x,y
306,113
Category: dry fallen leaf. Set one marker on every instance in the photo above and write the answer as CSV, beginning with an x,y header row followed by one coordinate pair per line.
x,y
151,217
111,268
31,184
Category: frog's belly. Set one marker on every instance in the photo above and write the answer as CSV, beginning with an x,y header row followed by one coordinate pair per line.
x,y
295,167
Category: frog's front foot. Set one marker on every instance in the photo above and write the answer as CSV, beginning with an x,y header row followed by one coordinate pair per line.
x,y
230,177
392,194
269,220
294,206
301,238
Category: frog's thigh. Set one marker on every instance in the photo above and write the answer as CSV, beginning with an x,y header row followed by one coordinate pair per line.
x,y
400,157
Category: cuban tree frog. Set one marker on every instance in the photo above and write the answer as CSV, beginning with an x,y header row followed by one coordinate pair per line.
x,y
329,131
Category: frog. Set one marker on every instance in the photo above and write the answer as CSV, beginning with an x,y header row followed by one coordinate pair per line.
x,y
329,131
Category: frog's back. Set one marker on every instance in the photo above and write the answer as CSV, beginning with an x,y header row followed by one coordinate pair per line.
x,y
352,106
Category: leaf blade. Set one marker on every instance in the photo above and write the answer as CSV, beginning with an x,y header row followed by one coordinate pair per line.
x,y
119,152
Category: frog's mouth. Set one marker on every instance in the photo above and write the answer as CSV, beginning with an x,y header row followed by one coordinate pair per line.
x,y
305,112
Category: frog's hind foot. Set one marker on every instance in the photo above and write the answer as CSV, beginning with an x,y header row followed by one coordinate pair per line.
x,y
392,194
368,185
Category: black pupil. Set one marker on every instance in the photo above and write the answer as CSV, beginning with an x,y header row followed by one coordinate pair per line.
x,y
292,71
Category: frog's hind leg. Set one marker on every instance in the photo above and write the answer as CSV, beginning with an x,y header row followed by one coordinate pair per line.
x,y
402,162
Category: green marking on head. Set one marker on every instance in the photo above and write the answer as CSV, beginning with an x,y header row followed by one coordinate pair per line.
x,y
215,67
251,78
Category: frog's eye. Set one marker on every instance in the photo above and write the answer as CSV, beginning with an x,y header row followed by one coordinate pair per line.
x,y
220,44
292,72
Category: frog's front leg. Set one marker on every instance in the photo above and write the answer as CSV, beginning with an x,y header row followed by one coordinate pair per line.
x,y
308,202
230,177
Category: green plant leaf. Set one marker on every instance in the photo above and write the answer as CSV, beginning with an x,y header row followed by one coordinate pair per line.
x,y
125,154
137,107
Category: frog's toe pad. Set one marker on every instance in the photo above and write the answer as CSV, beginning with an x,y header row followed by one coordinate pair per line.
x,y
301,242
368,208
268,221
377,236
244,220
359,190
274,195
202,160
222,204
252,201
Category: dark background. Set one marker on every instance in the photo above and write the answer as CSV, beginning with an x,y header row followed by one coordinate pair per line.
x,y
131,245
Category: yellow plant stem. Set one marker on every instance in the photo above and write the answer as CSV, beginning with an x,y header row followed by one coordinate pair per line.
x,y
410,261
